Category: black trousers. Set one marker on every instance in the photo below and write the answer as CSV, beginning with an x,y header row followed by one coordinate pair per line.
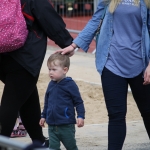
x,y
115,92
19,95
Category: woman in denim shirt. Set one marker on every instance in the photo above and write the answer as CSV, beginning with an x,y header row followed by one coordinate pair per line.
x,y
122,59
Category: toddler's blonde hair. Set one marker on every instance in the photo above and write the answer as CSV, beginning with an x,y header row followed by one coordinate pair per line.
x,y
63,60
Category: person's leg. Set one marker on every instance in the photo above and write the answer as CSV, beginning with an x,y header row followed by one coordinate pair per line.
x,y
54,141
16,124
141,94
30,114
67,134
115,93
20,124
15,130
19,86
19,119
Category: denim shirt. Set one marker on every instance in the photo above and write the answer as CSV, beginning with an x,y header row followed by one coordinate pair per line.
x,y
86,36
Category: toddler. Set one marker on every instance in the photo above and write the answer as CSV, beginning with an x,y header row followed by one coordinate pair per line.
x,y
61,99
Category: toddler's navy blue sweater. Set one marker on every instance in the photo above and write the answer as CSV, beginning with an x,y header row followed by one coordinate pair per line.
x,y
61,99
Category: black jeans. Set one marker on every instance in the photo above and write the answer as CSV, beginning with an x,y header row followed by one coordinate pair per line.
x,y
115,93
19,95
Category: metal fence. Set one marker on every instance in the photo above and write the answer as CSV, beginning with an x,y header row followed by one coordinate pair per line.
x,y
76,14
70,8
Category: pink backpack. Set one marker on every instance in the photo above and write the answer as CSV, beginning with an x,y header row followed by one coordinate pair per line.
x,y
13,29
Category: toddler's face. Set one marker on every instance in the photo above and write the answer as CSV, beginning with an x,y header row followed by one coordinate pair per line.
x,y
57,72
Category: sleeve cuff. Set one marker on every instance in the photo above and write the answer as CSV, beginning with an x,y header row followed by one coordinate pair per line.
x,y
80,117
43,116
81,43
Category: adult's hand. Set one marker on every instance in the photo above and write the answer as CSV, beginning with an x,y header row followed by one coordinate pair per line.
x,y
147,75
68,50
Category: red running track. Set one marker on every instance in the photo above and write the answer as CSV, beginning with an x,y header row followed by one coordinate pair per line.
x,y
76,23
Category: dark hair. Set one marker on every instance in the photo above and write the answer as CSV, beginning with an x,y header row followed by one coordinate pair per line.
x,y
64,60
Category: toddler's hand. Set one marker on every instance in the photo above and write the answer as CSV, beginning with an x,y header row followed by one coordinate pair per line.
x,y
80,122
42,121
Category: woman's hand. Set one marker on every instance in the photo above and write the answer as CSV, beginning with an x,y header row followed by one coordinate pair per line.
x,y
147,75
68,50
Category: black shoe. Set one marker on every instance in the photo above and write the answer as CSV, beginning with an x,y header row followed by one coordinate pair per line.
x,y
46,143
